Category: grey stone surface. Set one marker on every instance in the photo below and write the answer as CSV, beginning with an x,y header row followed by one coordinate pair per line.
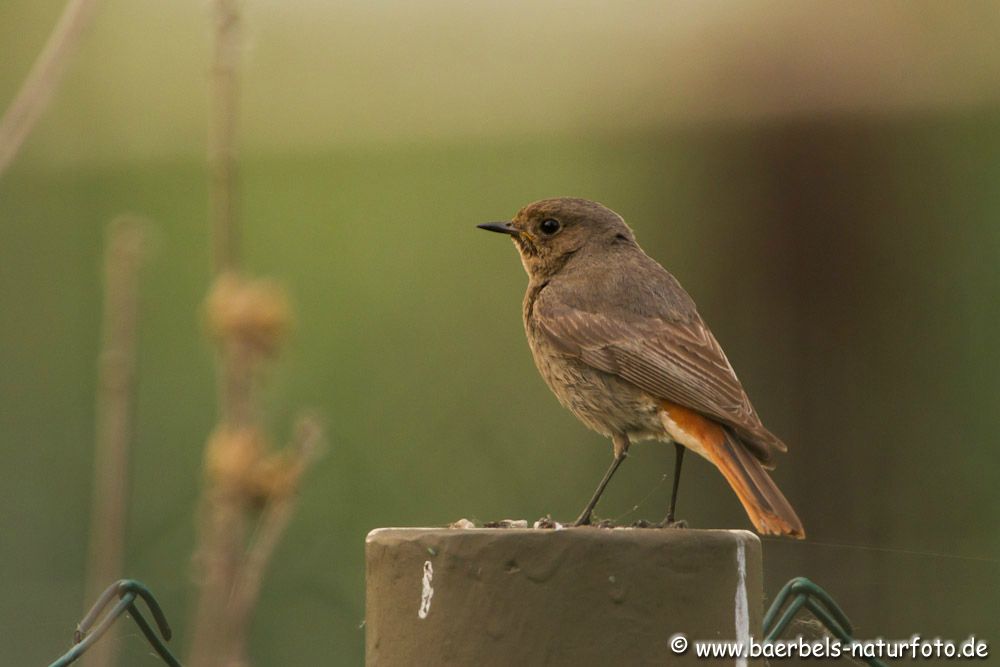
x,y
579,596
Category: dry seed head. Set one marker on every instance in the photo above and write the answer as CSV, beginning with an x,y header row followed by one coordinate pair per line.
x,y
232,458
254,313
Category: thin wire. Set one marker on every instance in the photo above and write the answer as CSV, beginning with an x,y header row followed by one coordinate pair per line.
x,y
635,508
865,547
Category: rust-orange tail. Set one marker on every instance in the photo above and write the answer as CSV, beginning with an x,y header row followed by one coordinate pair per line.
x,y
765,504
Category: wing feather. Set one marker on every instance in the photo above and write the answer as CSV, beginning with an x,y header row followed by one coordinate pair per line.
x,y
677,360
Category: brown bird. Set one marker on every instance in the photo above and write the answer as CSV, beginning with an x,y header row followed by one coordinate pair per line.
x,y
622,346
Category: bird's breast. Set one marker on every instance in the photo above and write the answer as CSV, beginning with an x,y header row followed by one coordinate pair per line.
x,y
603,402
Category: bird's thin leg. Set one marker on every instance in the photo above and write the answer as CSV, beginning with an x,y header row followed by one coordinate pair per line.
x,y
679,449
621,444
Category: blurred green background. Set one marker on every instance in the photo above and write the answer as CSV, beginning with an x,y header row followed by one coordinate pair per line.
x,y
824,178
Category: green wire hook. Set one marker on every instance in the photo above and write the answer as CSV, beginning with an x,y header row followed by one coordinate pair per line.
x,y
127,590
804,593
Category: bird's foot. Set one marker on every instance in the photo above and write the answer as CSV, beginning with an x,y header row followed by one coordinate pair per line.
x,y
588,520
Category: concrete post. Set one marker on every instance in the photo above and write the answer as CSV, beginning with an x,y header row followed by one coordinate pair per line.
x,y
580,596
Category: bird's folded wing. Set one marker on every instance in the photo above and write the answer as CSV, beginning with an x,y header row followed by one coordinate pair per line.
x,y
679,361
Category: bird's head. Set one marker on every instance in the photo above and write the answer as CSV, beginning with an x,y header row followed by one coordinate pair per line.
x,y
548,233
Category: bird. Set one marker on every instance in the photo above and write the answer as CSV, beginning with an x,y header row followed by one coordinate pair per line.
x,y
622,346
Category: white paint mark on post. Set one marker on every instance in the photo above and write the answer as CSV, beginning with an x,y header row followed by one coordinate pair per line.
x,y
742,606
428,591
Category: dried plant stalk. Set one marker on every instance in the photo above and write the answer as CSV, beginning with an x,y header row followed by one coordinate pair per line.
x,y
223,522
42,80
249,491
279,481
231,455
249,494
222,145
124,250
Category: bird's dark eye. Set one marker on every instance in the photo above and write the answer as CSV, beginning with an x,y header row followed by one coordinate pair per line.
x,y
549,226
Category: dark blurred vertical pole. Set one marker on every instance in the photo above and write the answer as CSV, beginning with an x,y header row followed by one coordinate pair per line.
x,y
824,195
115,406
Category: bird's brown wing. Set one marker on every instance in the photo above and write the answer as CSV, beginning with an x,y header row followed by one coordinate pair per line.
x,y
679,361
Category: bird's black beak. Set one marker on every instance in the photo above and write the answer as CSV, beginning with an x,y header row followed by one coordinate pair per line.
x,y
499,227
